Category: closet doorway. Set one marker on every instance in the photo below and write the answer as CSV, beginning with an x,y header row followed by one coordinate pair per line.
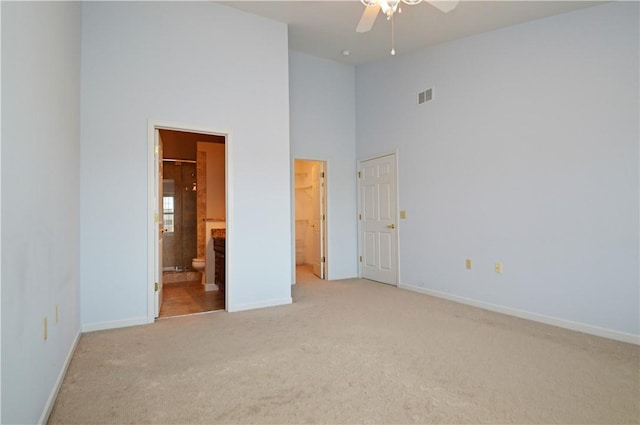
x,y
310,216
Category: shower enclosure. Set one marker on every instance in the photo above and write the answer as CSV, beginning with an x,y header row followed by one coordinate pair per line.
x,y
179,214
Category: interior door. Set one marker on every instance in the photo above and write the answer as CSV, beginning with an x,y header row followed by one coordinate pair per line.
x,y
378,216
318,218
159,225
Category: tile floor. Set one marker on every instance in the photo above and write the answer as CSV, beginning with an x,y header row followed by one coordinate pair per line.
x,y
182,298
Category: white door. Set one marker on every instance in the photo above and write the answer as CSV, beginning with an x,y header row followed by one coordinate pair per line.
x,y
378,219
318,218
159,225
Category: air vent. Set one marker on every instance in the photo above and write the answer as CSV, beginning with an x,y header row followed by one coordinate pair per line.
x,y
425,96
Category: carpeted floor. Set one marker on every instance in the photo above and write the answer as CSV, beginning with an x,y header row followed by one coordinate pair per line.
x,y
350,351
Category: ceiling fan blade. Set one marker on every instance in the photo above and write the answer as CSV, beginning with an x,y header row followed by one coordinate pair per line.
x,y
368,18
443,5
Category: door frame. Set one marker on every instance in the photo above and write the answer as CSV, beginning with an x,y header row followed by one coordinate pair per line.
x,y
397,233
325,244
153,184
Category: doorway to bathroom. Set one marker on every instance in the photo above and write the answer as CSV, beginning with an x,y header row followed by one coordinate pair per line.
x,y
193,218
310,218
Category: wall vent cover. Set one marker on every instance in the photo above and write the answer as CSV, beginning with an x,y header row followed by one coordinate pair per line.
x,y
425,96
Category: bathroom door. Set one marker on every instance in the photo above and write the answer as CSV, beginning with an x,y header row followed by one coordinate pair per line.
x,y
159,219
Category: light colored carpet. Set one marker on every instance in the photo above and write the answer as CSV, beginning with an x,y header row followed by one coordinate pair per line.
x,y
350,351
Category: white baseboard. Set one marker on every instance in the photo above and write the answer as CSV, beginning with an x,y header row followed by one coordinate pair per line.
x,y
262,304
211,287
554,321
91,327
56,388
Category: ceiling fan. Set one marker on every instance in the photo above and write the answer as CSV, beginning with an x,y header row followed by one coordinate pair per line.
x,y
390,7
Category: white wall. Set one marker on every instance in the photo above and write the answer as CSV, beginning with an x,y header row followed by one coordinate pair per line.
x,y
528,155
40,202
322,99
194,63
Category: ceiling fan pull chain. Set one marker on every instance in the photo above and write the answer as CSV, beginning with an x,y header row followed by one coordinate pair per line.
x,y
393,41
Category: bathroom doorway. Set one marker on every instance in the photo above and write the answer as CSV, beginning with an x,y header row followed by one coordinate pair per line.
x,y
193,216
310,217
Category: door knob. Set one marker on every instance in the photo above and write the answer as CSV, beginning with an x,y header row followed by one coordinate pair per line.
x,y
391,226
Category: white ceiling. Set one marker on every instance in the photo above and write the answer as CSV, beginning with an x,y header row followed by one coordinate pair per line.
x,y
326,28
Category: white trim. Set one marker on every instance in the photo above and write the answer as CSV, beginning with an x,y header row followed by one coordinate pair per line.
x,y
152,185
261,304
553,321
101,326
376,156
56,388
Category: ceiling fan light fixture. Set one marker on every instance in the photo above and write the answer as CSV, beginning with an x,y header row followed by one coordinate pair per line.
x,y
388,7
369,3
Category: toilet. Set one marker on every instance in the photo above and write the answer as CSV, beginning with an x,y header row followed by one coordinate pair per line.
x,y
198,265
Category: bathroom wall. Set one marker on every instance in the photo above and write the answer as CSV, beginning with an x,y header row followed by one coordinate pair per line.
x,y
178,145
215,178
201,201
213,204
179,246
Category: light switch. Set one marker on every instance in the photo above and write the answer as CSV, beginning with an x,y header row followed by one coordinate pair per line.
x,y
468,264
498,267
403,214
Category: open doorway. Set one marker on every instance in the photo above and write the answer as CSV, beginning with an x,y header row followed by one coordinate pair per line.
x,y
310,218
192,222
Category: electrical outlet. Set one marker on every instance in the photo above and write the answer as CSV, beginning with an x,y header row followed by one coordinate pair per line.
x,y
498,267
468,264
44,329
403,214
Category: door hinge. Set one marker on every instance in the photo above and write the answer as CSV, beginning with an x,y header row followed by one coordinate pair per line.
x,y
155,287
361,258
359,174
322,174
359,216
322,260
323,217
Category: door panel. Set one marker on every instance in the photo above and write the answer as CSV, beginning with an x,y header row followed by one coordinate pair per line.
x,y
370,250
317,207
369,202
378,209
384,203
386,251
